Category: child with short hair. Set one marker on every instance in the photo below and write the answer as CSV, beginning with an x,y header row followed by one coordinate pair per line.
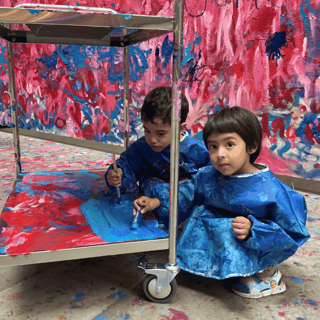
x,y
147,160
246,221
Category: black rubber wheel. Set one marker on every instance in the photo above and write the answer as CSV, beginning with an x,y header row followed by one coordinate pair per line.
x,y
149,288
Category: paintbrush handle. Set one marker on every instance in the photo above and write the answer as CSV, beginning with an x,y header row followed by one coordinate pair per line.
x,y
118,193
115,167
135,219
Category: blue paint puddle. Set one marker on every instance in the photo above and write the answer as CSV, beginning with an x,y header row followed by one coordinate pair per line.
x,y
112,221
78,296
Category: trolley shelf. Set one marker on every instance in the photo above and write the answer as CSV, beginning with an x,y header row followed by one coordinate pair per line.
x,y
42,221
80,26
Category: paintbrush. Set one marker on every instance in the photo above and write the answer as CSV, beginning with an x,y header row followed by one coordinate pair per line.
x,y
115,167
135,224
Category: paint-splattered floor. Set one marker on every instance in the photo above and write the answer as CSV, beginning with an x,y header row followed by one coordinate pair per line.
x,y
111,287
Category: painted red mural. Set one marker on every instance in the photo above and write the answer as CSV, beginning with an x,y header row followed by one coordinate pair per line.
x,y
263,55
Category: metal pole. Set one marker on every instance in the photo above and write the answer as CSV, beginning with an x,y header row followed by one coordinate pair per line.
x,y
14,112
126,92
175,127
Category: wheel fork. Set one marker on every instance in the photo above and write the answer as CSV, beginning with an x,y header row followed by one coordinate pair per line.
x,y
165,273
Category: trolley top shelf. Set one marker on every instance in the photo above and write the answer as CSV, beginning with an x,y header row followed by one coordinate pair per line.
x,y
79,25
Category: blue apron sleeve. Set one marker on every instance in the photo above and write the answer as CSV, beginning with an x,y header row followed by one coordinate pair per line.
x,y
155,188
286,228
132,164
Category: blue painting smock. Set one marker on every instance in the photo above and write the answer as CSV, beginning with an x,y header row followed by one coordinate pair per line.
x,y
208,246
151,170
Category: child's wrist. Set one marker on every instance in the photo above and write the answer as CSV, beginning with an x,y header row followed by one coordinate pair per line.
x,y
157,202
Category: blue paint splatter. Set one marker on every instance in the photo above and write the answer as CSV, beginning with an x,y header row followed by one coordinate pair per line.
x,y
125,316
312,302
166,51
78,296
120,294
285,148
100,317
274,43
298,280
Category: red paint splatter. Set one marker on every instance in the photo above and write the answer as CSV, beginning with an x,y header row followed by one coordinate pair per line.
x,y
178,315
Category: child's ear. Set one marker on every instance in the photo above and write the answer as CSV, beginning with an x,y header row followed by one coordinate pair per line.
x,y
183,127
252,150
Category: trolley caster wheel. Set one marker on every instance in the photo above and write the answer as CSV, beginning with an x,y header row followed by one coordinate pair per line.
x,y
167,293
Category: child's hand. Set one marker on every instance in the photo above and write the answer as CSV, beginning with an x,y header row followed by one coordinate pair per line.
x,y
114,177
149,204
241,227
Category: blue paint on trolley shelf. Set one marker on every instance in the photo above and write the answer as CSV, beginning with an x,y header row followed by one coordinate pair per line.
x,y
112,221
78,296
34,11
26,229
125,316
300,318
127,16
100,317
60,226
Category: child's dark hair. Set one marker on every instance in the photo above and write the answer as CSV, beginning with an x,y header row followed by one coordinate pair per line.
x,y
239,120
158,104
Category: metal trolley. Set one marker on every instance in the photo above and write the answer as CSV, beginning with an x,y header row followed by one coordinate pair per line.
x,y
56,24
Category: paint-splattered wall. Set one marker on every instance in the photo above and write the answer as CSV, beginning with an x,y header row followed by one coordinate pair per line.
x,y
263,55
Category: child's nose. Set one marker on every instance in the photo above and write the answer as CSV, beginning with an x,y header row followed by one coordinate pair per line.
x,y
221,152
153,139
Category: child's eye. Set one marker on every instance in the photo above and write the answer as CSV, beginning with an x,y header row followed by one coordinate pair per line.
x,y
161,134
230,144
212,146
